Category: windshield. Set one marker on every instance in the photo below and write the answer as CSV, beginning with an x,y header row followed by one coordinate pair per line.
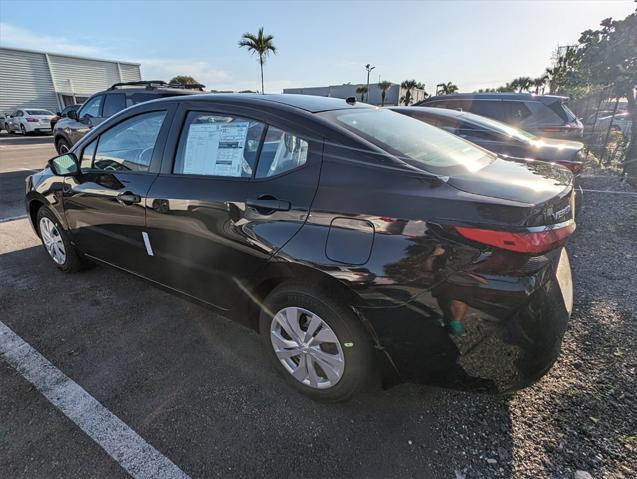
x,y
417,143
500,127
39,112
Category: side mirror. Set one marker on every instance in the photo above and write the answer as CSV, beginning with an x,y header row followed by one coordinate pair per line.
x,y
72,114
65,165
58,113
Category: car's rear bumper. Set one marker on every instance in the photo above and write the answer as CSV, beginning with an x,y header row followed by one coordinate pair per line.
x,y
508,332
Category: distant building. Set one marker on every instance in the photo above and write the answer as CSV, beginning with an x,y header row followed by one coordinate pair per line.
x,y
392,95
32,79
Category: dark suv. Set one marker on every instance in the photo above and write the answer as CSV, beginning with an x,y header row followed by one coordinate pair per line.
x,y
543,115
105,104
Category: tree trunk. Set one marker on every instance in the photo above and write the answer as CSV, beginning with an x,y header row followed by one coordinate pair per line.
x,y
382,98
261,63
630,161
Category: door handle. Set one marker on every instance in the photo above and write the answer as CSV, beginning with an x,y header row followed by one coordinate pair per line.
x,y
268,204
128,198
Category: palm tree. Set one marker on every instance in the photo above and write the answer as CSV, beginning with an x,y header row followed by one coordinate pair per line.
x,y
383,86
261,45
408,86
522,84
448,88
539,82
361,90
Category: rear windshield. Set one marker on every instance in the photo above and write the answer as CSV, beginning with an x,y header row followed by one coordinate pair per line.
x,y
39,112
419,144
561,110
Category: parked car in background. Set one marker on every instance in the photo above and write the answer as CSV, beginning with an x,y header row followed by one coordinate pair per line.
x,y
63,114
362,244
30,120
3,118
543,115
105,104
499,137
618,122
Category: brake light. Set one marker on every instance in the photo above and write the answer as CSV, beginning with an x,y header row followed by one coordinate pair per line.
x,y
533,242
571,165
32,120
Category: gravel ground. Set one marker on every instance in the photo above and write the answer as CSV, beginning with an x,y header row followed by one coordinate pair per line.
x,y
579,419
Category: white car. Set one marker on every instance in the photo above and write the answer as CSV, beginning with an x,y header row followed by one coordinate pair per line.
x,y
29,120
620,122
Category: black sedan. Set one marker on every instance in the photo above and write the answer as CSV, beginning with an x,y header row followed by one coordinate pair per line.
x,y
501,138
362,244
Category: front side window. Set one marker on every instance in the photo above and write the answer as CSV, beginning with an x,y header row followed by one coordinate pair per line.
x,y
415,142
218,145
92,107
86,160
114,103
281,152
128,146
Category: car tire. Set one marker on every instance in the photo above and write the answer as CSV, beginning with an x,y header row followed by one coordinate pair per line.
x,y
62,146
57,243
339,336
23,130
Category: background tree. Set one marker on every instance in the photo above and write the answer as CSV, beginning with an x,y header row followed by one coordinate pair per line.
x,y
361,90
522,84
408,86
540,82
607,58
259,44
448,88
383,86
184,80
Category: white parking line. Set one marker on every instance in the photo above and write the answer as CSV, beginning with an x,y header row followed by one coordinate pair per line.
x,y
132,452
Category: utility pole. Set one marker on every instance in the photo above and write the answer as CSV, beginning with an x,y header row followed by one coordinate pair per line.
x,y
369,69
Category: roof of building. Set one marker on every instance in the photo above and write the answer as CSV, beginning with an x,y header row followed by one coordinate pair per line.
x,y
69,56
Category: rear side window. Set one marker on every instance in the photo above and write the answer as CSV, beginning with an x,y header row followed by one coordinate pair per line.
x,y
562,111
113,103
128,146
490,108
517,111
281,152
218,145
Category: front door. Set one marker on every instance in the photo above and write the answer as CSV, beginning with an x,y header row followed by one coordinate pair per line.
x,y
237,190
104,206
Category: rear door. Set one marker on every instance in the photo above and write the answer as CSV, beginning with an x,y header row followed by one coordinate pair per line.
x,y
233,189
105,205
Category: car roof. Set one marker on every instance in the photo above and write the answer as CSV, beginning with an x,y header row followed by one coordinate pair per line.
x,y
434,111
496,96
309,103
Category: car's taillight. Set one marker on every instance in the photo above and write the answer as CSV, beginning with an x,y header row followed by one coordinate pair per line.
x,y
533,241
574,166
32,120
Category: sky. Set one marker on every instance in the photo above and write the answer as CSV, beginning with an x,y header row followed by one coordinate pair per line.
x,y
474,44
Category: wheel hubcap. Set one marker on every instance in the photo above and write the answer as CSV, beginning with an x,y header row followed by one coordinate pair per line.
x,y
63,148
307,347
52,240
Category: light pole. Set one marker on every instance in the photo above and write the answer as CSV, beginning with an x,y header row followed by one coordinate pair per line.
x,y
369,69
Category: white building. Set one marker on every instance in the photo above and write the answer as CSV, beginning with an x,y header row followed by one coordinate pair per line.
x,y
32,79
393,94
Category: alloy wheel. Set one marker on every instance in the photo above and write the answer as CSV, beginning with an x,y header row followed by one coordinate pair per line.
x,y
307,347
52,240
63,148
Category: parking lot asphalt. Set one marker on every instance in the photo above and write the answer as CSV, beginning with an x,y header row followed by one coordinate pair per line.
x,y
200,390
20,156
